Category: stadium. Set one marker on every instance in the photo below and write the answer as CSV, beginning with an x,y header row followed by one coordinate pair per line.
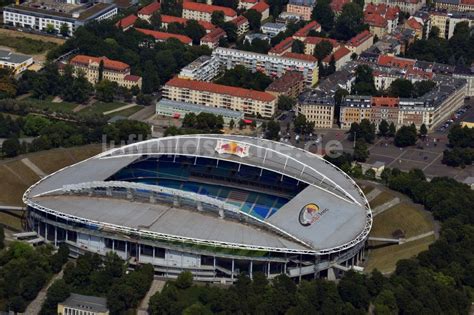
x,y
215,205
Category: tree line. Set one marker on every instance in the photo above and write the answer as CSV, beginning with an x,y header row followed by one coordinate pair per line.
x,y
461,147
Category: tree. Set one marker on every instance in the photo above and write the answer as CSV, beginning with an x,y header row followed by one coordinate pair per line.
x,y
420,88
195,31
383,128
391,130
106,90
272,130
297,47
240,76
50,28
364,83
230,31
285,102
302,126
338,97
322,49
35,125
423,130
171,7
101,70
184,280
361,152
405,136
11,147
401,88
231,124
57,292
151,81
64,30
156,21
2,237
323,14
434,32
217,18
254,18
350,22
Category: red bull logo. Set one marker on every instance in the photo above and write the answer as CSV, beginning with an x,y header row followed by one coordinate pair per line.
x,y
310,214
232,147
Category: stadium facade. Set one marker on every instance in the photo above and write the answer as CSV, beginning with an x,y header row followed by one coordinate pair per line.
x,y
215,205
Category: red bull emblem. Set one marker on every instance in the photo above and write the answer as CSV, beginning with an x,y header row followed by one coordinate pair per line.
x,y
310,214
232,147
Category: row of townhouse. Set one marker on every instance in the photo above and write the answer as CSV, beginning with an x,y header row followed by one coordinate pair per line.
x,y
430,109
317,108
249,102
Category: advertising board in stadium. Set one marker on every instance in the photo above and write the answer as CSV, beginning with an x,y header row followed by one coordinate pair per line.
x,y
232,147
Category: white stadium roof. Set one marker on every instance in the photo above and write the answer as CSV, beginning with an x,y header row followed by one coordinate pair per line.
x,y
343,218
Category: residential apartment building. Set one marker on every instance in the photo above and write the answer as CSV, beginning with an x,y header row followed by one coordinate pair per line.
x,y
273,29
263,8
247,4
249,102
54,16
304,31
361,42
274,66
212,39
113,70
289,84
242,25
317,108
430,109
16,63
408,6
147,11
204,68
303,8
163,36
455,5
201,11
310,43
447,21
341,57
168,19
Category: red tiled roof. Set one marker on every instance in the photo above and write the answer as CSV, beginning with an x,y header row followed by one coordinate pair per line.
x,y
201,7
313,25
385,101
300,56
414,24
260,7
127,21
208,26
338,54
385,60
282,46
375,20
108,63
214,35
396,62
286,81
172,19
392,13
150,9
336,5
314,40
249,1
164,36
220,89
131,77
359,38
240,20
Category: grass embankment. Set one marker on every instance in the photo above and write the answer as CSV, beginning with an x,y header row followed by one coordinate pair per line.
x,y
26,45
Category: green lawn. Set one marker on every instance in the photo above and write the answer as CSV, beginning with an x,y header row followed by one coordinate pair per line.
x,y
54,107
381,198
126,112
101,107
26,45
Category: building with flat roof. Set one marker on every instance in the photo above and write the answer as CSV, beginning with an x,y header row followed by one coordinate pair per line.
x,y
455,5
175,109
273,66
221,96
115,71
17,63
204,68
78,304
37,17
273,29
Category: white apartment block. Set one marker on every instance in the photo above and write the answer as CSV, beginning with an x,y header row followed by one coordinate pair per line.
x,y
249,102
273,66
204,68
